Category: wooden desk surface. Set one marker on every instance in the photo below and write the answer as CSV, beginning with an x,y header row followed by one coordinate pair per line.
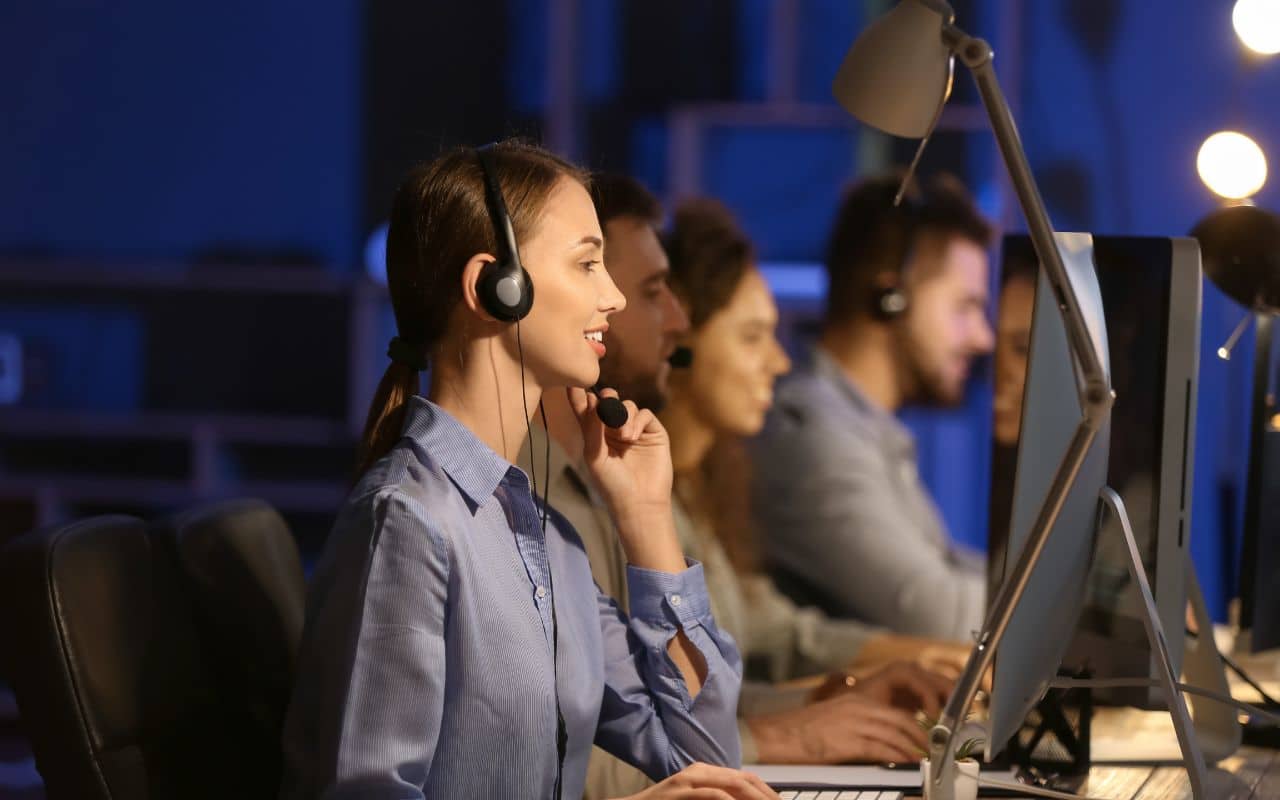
x,y
1250,774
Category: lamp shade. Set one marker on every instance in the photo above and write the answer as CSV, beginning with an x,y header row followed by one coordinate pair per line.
x,y
897,74
1240,249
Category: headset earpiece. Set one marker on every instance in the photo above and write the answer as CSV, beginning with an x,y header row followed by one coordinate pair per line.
x,y
504,287
506,293
889,303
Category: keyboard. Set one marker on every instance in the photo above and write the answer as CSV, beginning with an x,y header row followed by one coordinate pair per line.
x,y
839,794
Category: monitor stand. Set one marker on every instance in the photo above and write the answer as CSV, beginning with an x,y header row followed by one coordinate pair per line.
x,y
1199,652
1166,680
1217,725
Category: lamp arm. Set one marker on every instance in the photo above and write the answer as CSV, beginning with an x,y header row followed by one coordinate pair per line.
x,y
976,54
1095,403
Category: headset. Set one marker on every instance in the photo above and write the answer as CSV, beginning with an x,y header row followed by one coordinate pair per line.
x,y
888,303
506,292
504,287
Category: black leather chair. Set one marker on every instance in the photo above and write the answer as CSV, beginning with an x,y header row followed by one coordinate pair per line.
x,y
244,576
113,684
155,662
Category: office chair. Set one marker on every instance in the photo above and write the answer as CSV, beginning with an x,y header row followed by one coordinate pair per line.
x,y
114,685
243,574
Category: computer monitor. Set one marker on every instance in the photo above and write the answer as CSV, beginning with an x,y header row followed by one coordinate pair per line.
x,y
1260,538
1037,411
1150,299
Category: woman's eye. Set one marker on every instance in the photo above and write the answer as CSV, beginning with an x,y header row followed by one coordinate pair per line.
x,y
590,266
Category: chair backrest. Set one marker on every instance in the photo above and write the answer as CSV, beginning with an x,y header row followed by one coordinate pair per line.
x,y
112,681
245,580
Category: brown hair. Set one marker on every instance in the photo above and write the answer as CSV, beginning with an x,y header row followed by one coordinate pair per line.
x,y
709,254
615,195
871,236
439,221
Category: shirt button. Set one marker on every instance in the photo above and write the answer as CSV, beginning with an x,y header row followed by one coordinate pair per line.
x,y
675,600
541,592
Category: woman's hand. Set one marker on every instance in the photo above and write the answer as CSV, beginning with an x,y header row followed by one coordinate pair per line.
x,y
632,464
705,782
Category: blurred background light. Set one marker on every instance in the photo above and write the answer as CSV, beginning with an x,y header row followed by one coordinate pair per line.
x,y
1232,165
1257,23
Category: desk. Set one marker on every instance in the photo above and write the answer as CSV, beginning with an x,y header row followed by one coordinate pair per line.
x,y
1251,774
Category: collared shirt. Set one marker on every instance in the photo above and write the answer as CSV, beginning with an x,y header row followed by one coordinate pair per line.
x,y
426,667
783,640
846,523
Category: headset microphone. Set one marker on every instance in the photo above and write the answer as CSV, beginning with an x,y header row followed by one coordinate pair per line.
x,y
610,410
681,358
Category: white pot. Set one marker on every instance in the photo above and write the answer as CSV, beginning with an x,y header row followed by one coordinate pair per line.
x,y
965,786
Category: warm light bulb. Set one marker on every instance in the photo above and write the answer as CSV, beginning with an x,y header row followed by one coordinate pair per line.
x,y
1257,23
1232,165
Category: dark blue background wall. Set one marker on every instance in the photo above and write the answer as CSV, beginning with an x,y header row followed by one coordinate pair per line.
x,y
139,131
149,129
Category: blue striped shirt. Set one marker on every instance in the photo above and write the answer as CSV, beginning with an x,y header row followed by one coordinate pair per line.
x,y
426,663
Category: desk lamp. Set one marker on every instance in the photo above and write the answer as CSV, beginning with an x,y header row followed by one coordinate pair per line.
x,y
897,77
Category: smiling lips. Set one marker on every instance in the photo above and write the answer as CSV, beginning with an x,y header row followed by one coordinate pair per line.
x,y
596,340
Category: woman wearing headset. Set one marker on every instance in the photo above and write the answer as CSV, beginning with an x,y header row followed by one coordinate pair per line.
x,y
455,644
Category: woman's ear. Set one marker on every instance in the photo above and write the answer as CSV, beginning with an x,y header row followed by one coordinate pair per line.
x,y
471,285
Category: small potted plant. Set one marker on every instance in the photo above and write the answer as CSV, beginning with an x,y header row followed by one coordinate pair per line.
x,y
966,776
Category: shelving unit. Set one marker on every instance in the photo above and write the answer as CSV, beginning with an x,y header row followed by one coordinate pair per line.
x,y
191,433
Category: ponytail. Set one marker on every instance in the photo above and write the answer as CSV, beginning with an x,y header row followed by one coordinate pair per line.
x,y
385,422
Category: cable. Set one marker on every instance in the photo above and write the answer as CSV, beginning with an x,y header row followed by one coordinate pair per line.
x,y
1238,670
546,464
1244,676
1185,688
562,730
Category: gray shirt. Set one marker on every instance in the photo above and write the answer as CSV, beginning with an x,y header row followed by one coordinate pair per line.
x,y
846,523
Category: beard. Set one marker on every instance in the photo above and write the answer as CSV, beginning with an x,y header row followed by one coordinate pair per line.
x,y
923,383
643,387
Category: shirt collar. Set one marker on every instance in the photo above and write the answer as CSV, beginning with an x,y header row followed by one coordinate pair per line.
x,y
470,463
893,432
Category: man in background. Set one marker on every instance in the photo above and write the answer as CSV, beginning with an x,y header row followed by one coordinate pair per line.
x,y
848,525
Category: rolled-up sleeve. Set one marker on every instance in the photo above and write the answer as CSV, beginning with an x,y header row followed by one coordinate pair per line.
x,y
647,716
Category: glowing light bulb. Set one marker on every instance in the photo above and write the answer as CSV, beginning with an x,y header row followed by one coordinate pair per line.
x,y
1232,165
1257,23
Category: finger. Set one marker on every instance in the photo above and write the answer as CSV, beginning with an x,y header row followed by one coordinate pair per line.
x,y
762,789
929,690
738,783
590,424
637,421
904,724
703,793
901,746
877,752
577,400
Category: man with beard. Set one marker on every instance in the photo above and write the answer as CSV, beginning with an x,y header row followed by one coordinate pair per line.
x,y
847,524
777,723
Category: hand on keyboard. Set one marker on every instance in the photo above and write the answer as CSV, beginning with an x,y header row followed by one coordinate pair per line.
x,y
845,729
840,794
901,684
692,781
